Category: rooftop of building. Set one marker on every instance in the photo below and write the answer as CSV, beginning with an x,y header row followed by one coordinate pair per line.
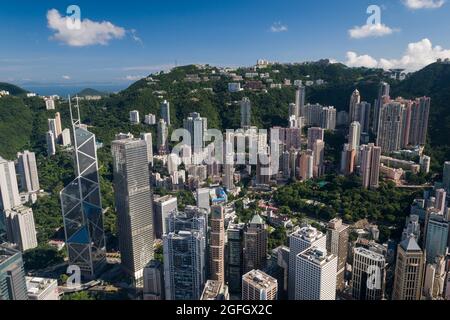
x,y
212,290
37,285
160,199
317,255
308,233
410,244
368,253
7,251
259,279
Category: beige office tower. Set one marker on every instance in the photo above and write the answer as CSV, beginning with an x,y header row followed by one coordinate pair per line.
x,y
408,271
434,282
217,244
337,244
306,171
255,244
370,165
257,285
368,275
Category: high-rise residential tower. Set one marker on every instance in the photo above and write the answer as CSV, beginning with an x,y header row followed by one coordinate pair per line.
x,y
27,170
390,127
197,127
370,165
355,99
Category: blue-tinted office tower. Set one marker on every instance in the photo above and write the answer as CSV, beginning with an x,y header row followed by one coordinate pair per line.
x,y
12,275
81,206
436,240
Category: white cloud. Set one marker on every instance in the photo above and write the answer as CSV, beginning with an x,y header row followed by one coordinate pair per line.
x,y
91,32
370,30
65,77
278,27
423,4
135,37
417,55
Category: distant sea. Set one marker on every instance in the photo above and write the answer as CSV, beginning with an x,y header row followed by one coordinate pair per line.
x,y
65,90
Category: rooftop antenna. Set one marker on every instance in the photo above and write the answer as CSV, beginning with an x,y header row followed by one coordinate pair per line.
x,y
75,122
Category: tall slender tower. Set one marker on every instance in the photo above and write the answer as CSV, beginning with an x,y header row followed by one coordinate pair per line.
x,y
165,112
300,97
370,165
355,99
81,205
27,171
337,244
390,128
255,244
408,271
217,244
134,205
383,96
246,113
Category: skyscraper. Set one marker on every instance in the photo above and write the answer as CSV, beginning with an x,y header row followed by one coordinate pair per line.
x,y
318,157
390,128
133,200
257,285
408,271
52,127
436,238
147,137
22,230
420,112
364,116
154,281
370,165
51,146
337,244
315,275
184,254
300,240
314,134
217,244
9,190
165,112
163,136
328,118
300,97
368,274
197,127
235,257
246,113
27,170
446,175
354,135
383,97
12,275
81,206
355,99
255,244
163,206
58,125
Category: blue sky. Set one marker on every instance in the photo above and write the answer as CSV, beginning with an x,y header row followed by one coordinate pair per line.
x,y
225,33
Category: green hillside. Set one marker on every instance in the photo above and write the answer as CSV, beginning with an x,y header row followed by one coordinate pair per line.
x,y
13,90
